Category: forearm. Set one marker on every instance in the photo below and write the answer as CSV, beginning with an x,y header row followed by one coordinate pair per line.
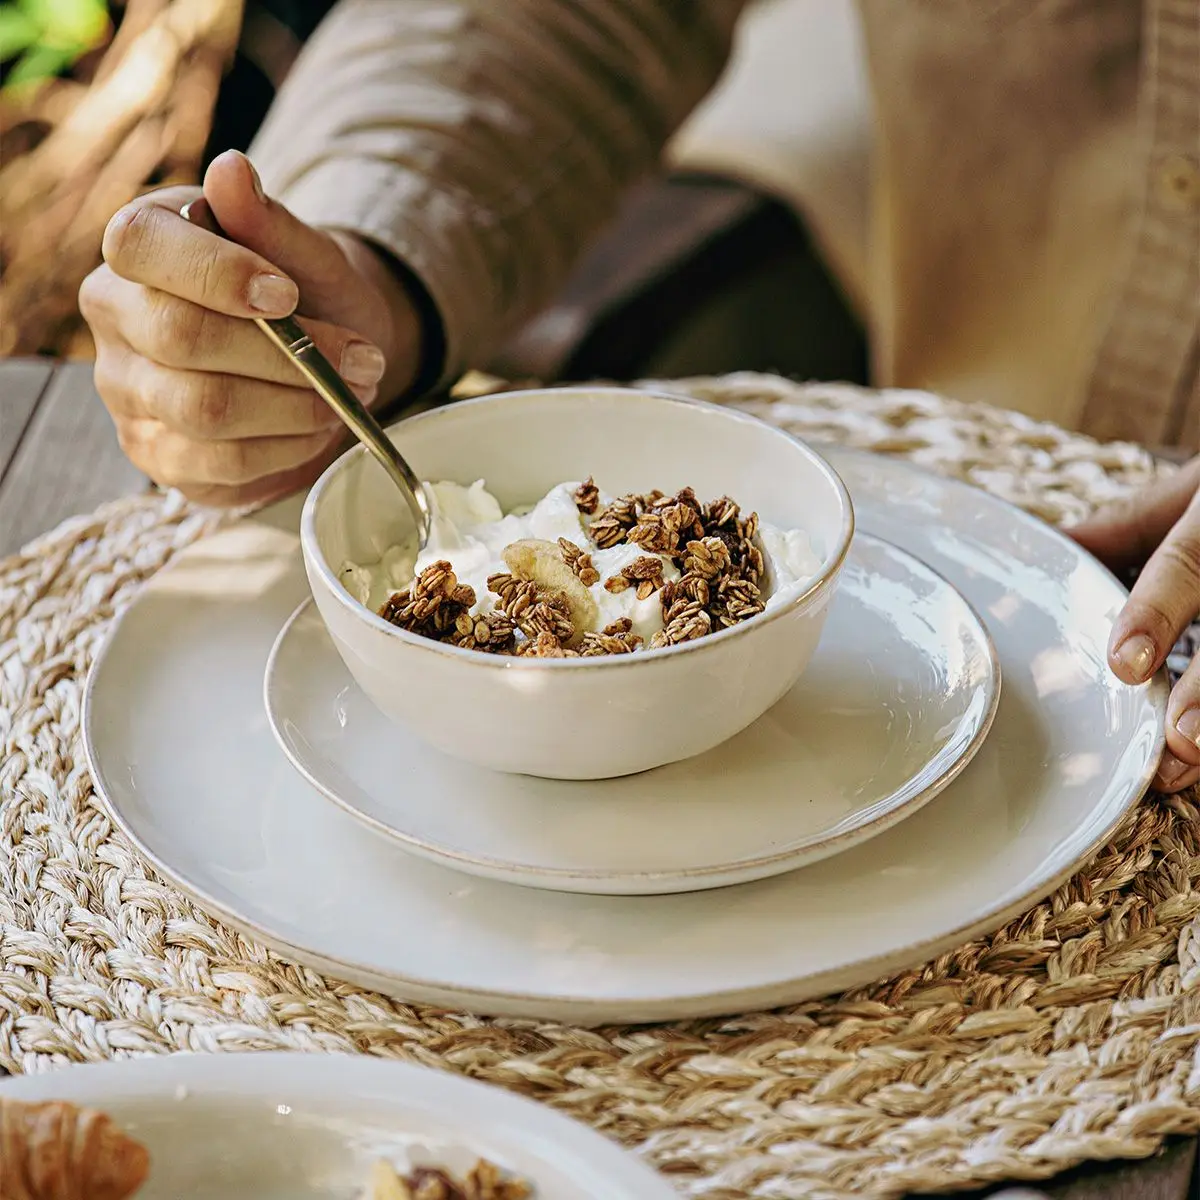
x,y
482,143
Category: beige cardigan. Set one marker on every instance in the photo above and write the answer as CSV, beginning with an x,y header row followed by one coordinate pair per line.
x,y
1034,211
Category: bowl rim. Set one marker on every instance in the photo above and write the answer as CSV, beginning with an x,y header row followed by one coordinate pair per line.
x,y
830,566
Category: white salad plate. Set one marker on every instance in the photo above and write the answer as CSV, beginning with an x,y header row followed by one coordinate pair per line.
x,y
895,703
181,752
281,1125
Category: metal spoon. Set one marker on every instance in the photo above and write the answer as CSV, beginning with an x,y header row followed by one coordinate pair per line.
x,y
289,336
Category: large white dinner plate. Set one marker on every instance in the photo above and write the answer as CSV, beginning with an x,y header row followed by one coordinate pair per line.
x,y
897,700
278,1126
177,739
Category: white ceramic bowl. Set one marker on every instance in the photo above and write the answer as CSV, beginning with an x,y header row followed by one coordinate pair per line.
x,y
579,718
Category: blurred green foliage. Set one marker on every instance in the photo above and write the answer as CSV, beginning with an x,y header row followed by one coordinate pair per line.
x,y
40,39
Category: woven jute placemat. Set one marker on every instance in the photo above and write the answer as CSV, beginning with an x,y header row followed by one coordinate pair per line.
x,y
1071,1034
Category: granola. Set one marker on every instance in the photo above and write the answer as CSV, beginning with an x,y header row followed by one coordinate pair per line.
x,y
484,1181
579,561
433,605
587,496
583,575
544,563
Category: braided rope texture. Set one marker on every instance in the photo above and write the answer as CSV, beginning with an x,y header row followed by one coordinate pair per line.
x,y
1070,1035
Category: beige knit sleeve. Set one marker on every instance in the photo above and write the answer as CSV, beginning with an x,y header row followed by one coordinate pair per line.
x,y
483,141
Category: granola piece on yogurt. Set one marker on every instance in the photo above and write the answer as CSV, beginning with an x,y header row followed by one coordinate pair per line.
x,y
433,604
612,526
736,600
548,617
616,638
708,558
646,574
514,595
579,561
484,1181
545,645
493,632
686,627
587,497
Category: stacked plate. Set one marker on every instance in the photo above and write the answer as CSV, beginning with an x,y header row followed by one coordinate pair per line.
x,y
905,666
896,803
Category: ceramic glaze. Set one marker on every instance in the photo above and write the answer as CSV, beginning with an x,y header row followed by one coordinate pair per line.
x,y
904,665
595,718
284,1125
225,818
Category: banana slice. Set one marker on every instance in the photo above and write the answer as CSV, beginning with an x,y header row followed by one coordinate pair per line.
x,y
542,562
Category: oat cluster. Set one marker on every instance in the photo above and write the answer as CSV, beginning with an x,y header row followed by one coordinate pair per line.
x,y
484,1181
579,561
437,606
712,545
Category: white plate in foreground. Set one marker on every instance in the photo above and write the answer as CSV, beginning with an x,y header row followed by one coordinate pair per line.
x,y
180,749
897,700
276,1126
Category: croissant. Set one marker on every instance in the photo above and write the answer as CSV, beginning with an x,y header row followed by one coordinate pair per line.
x,y
57,1151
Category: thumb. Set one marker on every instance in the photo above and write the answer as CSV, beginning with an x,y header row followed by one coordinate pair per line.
x,y
1126,534
309,256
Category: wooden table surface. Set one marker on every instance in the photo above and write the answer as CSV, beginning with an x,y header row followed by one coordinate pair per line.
x,y
58,450
59,457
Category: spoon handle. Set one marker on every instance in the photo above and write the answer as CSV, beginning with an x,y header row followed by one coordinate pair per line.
x,y
289,336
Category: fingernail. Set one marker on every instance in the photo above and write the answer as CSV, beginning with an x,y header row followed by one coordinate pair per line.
x,y
1170,769
362,363
1137,655
254,179
272,294
1189,725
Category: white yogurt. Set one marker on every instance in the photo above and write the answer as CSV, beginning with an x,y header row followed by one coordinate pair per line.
x,y
471,532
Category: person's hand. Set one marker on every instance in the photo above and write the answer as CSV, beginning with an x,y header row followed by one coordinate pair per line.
x,y
201,400
1160,527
